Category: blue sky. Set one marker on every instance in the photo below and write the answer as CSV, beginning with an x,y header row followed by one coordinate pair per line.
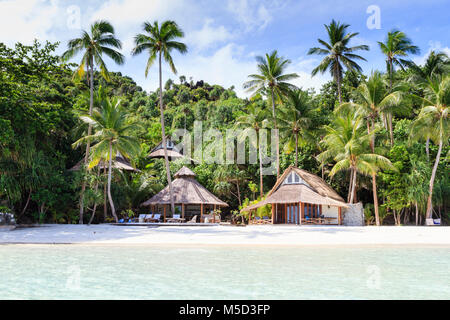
x,y
225,36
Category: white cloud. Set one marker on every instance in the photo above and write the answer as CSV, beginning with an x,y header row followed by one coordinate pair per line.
x,y
252,14
135,12
225,67
25,20
208,35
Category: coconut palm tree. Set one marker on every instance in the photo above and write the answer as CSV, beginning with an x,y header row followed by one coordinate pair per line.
x,y
337,53
160,42
348,144
256,118
272,81
100,41
396,45
295,120
372,101
112,135
434,121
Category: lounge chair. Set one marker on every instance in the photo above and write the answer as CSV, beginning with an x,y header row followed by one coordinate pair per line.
x,y
154,217
176,219
193,220
142,218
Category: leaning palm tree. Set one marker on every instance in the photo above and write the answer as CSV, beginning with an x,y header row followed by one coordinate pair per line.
x,y
337,53
347,143
396,45
434,121
112,135
160,41
372,101
295,120
101,40
272,81
255,119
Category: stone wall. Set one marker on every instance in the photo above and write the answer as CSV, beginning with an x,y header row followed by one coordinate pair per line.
x,y
354,215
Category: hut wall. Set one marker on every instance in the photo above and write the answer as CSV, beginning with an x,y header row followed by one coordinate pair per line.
x,y
354,215
330,212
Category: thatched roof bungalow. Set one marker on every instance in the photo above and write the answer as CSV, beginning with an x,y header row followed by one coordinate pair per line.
x,y
301,197
119,163
190,197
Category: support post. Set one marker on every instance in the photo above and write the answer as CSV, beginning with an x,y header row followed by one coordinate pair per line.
x,y
201,213
273,213
302,212
182,210
214,214
340,216
164,213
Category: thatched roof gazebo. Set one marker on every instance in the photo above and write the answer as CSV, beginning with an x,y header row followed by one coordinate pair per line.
x,y
188,194
118,162
301,197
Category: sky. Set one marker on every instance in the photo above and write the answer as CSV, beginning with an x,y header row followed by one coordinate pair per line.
x,y
225,36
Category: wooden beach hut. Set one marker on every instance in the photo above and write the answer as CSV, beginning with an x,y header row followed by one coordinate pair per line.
x,y
190,197
300,197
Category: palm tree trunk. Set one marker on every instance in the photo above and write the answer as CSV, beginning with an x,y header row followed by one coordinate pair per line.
x,y
417,214
350,185
296,150
352,197
163,129
391,129
105,207
111,203
433,176
261,186
88,145
276,133
339,89
239,192
427,148
375,198
96,189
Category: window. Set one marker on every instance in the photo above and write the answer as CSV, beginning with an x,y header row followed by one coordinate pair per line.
x,y
294,178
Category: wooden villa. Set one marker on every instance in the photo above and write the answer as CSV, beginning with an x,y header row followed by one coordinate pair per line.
x,y
190,197
300,197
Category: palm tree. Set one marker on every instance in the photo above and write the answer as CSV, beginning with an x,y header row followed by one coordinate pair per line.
x,y
255,119
295,119
437,63
434,120
373,101
272,81
160,41
93,45
347,143
112,136
396,45
337,53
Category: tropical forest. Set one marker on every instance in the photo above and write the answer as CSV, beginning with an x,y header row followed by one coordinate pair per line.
x,y
379,138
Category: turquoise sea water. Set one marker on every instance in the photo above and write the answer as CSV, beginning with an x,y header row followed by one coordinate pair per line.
x,y
136,272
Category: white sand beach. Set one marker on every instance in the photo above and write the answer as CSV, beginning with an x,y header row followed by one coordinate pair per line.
x,y
228,235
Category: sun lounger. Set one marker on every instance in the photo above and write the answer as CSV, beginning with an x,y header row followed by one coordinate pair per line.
x,y
193,220
176,219
142,218
153,217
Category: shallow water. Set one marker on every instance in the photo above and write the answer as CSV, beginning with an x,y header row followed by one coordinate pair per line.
x,y
136,272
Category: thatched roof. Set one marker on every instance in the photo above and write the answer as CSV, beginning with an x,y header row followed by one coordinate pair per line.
x,y
170,153
185,172
119,163
316,192
186,190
